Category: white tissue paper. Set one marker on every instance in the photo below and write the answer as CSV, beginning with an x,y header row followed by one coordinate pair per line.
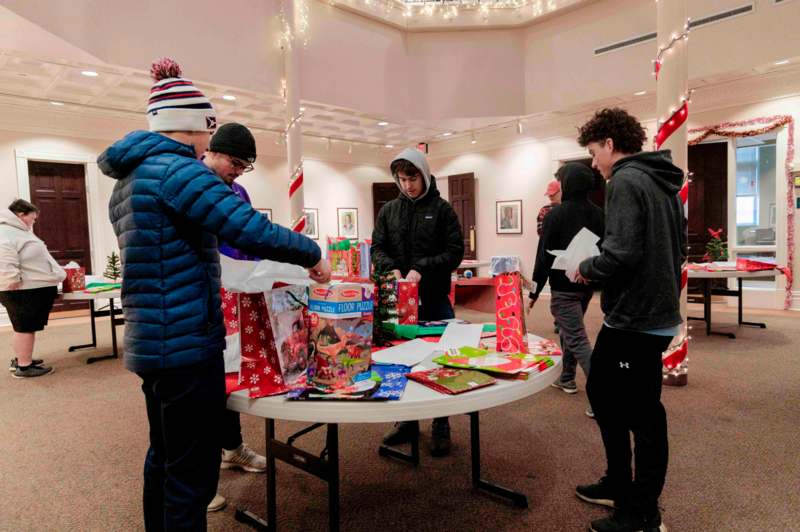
x,y
71,264
504,264
259,276
583,246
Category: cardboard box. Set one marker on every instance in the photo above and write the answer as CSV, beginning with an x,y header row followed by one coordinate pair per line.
x,y
341,316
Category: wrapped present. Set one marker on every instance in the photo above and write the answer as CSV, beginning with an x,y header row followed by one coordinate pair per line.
x,y
349,258
260,368
75,281
512,336
341,317
286,308
407,302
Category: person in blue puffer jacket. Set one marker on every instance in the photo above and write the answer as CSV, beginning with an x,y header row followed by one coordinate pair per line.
x,y
167,210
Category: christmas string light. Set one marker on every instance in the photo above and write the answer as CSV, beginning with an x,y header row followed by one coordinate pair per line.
x,y
657,62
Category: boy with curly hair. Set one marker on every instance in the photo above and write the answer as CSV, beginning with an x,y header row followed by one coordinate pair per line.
x,y
639,266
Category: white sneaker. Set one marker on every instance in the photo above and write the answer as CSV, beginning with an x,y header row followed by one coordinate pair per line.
x,y
217,503
243,457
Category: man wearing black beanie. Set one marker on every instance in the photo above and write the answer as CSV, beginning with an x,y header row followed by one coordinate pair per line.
x,y
230,154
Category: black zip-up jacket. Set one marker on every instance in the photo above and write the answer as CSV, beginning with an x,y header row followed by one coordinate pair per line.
x,y
644,245
561,225
422,235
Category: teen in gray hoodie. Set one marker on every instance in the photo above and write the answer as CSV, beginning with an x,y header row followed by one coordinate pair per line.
x,y
639,266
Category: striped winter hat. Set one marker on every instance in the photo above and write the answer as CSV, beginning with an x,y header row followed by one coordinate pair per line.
x,y
175,103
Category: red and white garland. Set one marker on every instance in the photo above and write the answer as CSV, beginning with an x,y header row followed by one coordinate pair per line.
x,y
767,123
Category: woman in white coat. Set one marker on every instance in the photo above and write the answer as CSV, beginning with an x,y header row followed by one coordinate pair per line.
x,y
29,277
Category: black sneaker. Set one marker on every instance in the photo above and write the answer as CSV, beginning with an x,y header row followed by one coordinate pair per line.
x,y
625,521
440,438
34,362
601,493
31,371
403,432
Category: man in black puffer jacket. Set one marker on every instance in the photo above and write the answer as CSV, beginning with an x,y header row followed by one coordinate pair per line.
x,y
418,237
568,300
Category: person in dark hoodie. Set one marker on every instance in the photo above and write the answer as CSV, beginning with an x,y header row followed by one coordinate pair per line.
x,y
167,210
418,237
639,266
568,300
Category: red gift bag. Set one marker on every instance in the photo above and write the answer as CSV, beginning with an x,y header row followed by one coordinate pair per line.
x,y
260,368
512,336
407,302
75,281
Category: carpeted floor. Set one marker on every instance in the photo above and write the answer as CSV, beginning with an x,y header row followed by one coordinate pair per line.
x,y
73,445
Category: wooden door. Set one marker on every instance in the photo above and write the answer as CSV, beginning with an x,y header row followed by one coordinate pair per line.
x,y
59,190
708,198
461,191
382,193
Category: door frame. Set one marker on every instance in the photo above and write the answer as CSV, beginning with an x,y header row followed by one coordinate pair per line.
x,y
90,174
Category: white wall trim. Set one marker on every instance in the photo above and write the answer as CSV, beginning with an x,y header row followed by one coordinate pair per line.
x,y
91,173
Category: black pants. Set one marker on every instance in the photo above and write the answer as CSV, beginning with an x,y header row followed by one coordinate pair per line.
x,y
624,389
185,408
231,430
434,308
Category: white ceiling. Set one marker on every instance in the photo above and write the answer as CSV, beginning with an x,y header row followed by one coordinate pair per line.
x,y
122,92
445,15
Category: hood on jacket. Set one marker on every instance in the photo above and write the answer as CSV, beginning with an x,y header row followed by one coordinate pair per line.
x,y
9,218
577,180
127,153
658,165
415,157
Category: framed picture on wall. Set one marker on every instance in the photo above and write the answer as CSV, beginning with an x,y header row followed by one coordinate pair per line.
x,y
347,218
312,224
266,212
509,217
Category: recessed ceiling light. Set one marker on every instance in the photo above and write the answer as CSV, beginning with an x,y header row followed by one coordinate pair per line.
x,y
56,103
302,109
229,97
640,93
782,62
90,73
390,145
447,134
383,123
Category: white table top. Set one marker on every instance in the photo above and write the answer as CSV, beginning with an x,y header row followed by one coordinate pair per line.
x,y
418,402
725,274
81,296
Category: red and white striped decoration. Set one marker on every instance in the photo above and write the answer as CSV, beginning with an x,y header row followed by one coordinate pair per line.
x,y
673,105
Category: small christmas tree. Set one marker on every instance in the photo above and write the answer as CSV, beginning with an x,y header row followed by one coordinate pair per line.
x,y
716,248
386,309
113,267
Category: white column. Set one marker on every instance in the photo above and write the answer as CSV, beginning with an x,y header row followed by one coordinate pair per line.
x,y
294,133
672,87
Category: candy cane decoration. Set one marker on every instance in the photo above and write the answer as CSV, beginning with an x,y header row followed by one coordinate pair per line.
x,y
673,96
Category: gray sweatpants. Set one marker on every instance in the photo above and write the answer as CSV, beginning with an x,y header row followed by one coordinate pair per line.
x,y
568,309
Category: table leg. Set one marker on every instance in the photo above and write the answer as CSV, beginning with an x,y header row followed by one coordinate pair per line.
x,y
325,466
113,354
333,477
94,330
520,500
741,321
707,304
392,452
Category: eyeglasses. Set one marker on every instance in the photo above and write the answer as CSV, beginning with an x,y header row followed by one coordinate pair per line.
x,y
240,165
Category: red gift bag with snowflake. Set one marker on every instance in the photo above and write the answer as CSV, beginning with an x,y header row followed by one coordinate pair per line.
x,y
407,302
260,368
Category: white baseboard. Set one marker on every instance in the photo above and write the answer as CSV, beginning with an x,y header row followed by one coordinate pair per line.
x,y
795,304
